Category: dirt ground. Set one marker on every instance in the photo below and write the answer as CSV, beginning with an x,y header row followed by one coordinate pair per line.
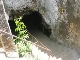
x,y
57,50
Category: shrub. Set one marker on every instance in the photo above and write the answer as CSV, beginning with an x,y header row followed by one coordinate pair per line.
x,y
23,47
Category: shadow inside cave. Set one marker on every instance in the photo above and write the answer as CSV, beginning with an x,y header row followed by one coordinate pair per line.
x,y
32,21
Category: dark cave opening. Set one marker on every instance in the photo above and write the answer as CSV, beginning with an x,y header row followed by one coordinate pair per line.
x,y
32,21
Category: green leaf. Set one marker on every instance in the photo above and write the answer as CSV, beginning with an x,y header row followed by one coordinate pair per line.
x,y
22,46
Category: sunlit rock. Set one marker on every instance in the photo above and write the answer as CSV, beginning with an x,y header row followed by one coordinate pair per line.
x,y
59,59
54,58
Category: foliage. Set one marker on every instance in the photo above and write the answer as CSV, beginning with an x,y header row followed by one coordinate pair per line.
x,y
23,47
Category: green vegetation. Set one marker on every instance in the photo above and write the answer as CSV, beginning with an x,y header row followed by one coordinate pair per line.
x,y
23,47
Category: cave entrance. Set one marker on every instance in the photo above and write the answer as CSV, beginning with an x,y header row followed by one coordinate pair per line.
x,y
35,21
32,21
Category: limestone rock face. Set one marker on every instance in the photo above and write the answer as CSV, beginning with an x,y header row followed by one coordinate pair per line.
x,y
62,16
19,4
67,28
47,8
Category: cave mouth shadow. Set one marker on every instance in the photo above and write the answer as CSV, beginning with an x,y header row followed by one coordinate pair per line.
x,y
32,21
35,21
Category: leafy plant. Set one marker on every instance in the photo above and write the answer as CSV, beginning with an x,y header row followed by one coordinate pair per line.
x,y
23,47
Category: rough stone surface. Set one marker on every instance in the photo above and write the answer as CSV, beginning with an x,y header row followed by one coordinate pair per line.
x,y
20,4
62,16
67,28
4,26
6,38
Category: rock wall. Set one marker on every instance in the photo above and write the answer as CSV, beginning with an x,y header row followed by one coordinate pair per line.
x,y
6,42
67,29
62,16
